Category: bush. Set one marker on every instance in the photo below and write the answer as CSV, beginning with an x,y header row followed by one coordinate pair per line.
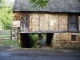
x,y
35,39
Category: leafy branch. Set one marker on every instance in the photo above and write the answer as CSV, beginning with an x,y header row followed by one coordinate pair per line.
x,y
39,3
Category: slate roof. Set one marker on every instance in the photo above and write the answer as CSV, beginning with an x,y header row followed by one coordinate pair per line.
x,y
52,6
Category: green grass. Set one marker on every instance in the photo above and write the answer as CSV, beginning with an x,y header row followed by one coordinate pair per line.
x,y
5,36
9,42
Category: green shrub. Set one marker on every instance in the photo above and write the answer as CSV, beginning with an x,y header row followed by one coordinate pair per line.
x,y
35,39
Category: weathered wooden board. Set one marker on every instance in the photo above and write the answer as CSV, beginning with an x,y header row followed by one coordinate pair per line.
x,y
79,22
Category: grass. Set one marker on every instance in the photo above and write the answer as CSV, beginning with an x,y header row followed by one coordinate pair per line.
x,y
5,36
11,43
8,42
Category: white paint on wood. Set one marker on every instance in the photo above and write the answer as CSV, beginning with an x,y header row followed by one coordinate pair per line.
x,y
16,23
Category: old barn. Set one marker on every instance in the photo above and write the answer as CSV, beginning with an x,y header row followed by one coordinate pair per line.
x,y
61,17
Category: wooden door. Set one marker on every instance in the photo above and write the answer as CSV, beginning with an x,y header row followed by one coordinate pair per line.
x,y
73,23
24,24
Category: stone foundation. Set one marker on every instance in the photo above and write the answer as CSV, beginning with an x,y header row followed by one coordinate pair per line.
x,y
63,40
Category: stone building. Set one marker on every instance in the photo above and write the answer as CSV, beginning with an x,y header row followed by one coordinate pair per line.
x,y
61,17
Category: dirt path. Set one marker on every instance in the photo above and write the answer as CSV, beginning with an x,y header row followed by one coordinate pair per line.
x,y
43,44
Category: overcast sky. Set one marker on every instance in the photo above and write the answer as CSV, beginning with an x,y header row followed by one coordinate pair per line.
x,y
11,0
8,2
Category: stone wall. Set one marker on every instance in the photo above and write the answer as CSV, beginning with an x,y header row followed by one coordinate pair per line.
x,y
43,19
33,22
63,21
48,22
54,22
18,16
44,22
64,39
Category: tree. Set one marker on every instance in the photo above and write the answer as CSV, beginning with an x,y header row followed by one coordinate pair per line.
x,y
39,3
5,14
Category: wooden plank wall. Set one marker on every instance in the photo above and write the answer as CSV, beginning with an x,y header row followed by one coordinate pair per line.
x,y
5,35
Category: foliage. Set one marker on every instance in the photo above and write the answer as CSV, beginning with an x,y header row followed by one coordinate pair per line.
x,y
11,43
6,14
35,39
39,3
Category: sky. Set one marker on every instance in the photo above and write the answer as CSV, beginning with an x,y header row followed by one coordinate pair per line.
x,y
11,0
8,2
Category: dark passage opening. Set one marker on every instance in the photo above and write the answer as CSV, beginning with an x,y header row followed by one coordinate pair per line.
x,y
49,37
26,41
